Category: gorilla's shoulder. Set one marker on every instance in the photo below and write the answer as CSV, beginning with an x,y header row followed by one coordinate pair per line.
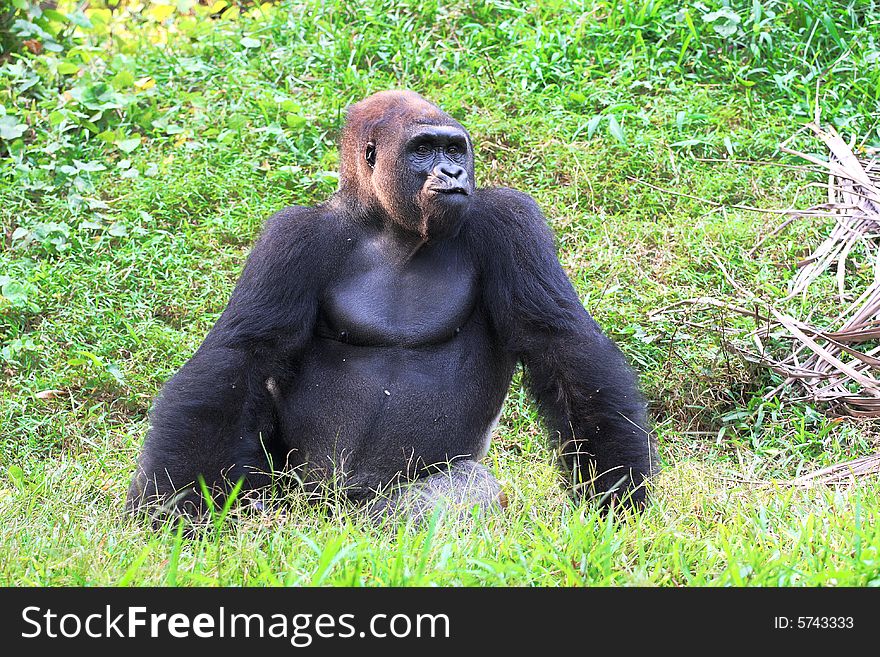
x,y
299,221
504,200
506,212
294,213
301,217
505,222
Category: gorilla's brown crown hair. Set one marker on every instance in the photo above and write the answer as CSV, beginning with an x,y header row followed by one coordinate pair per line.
x,y
366,122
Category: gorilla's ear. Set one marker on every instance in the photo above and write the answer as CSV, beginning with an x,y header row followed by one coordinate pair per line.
x,y
370,154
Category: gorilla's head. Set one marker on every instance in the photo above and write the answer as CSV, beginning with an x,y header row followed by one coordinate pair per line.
x,y
404,157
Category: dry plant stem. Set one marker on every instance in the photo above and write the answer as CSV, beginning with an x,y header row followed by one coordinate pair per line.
x,y
721,206
826,364
841,472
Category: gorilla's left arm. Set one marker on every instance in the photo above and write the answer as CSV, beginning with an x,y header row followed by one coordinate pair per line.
x,y
586,391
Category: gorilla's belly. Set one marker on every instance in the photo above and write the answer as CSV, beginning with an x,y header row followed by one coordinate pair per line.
x,y
366,415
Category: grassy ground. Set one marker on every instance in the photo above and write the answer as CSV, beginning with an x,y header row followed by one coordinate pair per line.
x,y
141,150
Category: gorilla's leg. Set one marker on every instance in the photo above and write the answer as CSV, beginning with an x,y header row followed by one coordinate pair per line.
x,y
458,489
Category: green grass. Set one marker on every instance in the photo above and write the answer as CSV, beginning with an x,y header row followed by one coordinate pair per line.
x,y
142,150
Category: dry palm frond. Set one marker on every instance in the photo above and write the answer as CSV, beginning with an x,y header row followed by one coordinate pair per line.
x,y
836,365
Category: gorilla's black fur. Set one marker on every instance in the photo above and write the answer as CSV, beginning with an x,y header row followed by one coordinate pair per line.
x,y
371,340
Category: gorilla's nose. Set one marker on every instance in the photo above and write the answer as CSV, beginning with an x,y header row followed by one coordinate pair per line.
x,y
453,171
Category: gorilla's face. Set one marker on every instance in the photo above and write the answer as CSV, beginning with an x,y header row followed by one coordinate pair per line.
x,y
423,177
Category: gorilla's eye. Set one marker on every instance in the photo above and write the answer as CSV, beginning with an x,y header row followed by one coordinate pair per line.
x,y
453,150
423,149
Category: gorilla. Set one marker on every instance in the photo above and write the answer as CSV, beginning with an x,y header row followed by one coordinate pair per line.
x,y
371,340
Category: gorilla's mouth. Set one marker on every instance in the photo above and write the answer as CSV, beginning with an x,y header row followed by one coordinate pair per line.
x,y
449,189
444,185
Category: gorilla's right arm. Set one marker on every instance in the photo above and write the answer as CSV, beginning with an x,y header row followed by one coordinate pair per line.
x,y
214,419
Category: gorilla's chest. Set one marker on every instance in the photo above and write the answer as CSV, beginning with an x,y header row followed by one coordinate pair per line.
x,y
388,299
